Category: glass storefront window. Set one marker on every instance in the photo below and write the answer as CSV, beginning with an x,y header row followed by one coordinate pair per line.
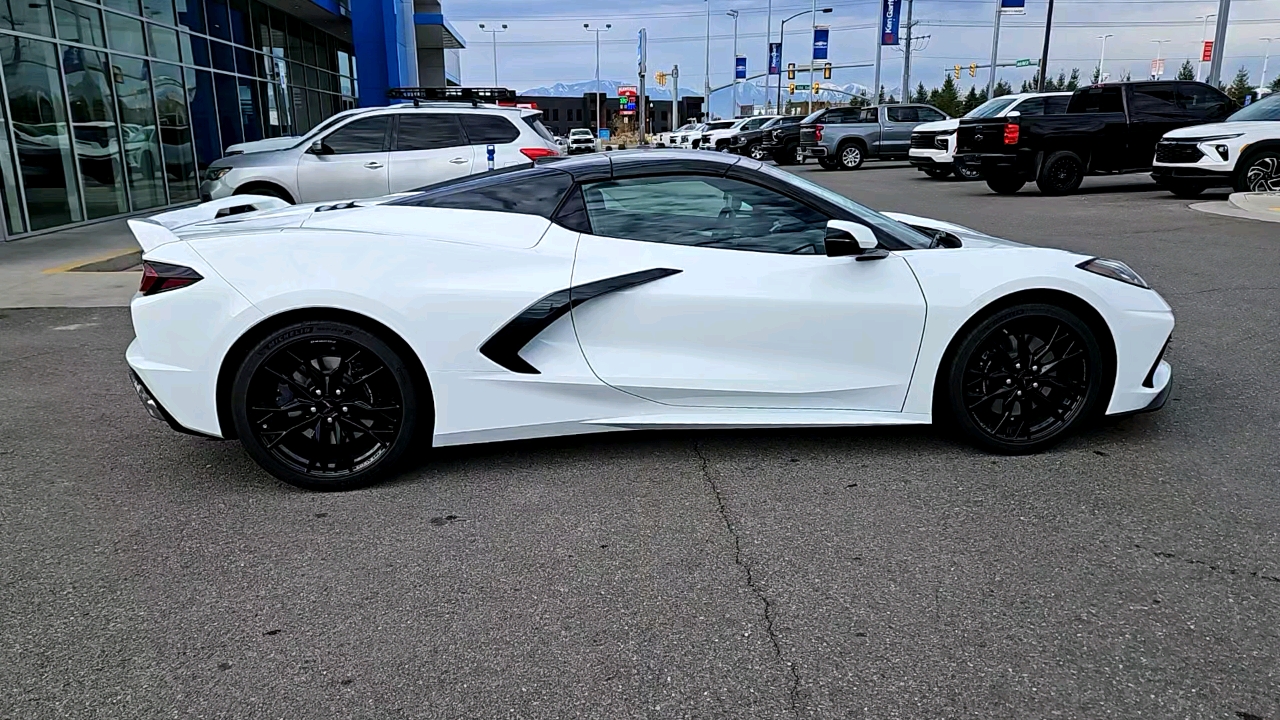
x,y
175,132
137,112
215,14
204,117
228,94
125,33
224,57
79,23
9,195
28,16
93,125
191,15
196,49
251,109
160,11
240,22
38,112
164,43
129,6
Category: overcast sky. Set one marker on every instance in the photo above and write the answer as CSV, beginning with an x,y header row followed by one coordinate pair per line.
x,y
546,43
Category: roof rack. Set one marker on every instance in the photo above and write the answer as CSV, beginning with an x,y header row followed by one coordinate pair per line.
x,y
475,96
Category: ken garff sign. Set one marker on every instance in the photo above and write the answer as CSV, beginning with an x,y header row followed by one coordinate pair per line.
x,y
775,58
740,68
890,12
821,34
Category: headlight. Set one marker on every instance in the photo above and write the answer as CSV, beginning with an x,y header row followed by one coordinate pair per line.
x,y
216,173
1115,270
1209,138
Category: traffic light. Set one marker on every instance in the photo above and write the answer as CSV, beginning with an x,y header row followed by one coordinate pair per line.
x,y
791,71
957,72
826,71
791,89
661,78
816,88
973,69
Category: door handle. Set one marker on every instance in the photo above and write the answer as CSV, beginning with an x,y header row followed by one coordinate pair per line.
x,y
458,161
373,165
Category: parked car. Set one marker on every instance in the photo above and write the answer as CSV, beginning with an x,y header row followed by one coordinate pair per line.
x,y
720,139
580,140
372,152
665,139
1108,128
933,145
751,142
690,138
847,138
782,142
1242,153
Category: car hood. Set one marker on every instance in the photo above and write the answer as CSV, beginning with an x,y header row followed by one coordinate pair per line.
x,y
279,143
969,237
1225,128
938,126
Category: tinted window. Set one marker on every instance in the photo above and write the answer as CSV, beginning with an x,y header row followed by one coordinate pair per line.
x,y
790,120
868,115
1156,98
366,135
428,132
705,211
1097,100
1203,100
902,114
530,192
835,117
753,124
1030,106
535,122
990,108
1056,105
928,114
490,129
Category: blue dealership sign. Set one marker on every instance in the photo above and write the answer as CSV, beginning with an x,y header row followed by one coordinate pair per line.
x,y
775,58
890,13
1013,6
740,68
820,37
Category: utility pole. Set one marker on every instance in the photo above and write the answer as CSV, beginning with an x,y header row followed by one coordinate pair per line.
x,y
1219,42
995,49
875,88
597,31
1102,58
1044,54
675,96
1263,82
734,14
1204,33
642,60
906,60
706,70
813,28
768,29
493,32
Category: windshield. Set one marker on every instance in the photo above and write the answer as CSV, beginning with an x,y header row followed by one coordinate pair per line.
x,y
907,235
991,108
1268,108
812,117
771,123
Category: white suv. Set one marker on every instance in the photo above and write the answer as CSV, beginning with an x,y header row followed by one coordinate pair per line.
x,y
933,144
378,151
1242,153
581,140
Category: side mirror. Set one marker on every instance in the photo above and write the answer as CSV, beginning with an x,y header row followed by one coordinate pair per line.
x,y
845,238
1013,114
318,148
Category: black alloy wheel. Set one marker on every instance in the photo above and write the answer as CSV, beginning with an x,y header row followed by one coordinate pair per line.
x,y
967,172
325,406
1025,377
1262,174
1061,173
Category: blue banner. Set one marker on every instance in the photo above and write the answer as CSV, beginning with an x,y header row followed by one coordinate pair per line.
x,y
890,13
1014,5
775,58
820,37
740,68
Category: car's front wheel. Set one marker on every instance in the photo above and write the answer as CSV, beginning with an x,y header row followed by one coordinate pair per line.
x,y
757,152
1260,174
326,405
1025,377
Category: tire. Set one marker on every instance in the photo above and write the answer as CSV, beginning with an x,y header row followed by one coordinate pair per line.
x,y
756,151
850,156
1260,174
1023,379
938,173
268,190
1005,184
829,164
290,414
1061,173
788,155
1185,190
723,146
967,172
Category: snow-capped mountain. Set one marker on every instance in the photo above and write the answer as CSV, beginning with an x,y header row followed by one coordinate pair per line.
x,y
608,87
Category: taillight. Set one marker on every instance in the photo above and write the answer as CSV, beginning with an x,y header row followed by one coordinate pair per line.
x,y
1011,134
158,277
817,133
533,153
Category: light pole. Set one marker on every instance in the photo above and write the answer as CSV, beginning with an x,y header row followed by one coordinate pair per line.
x,y
995,48
494,33
597,31
768,29
734,14
1159,57
1102,58
782,36
1204,30
1267,56
706,70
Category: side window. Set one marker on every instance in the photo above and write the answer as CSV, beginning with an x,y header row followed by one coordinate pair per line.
x,y
711,212
902,114
489,129
421,131
1030,106
1097,100
1056,105
868,116
528,191
1203,101
367,135
928,114
1155,99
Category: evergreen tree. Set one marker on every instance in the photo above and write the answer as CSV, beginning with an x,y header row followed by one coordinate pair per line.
x,y
1029,86
1061,83
921,96
1074,83
1275,84
971,100
1240,86
1187,71
1002,88
1097,73
947,97
881,98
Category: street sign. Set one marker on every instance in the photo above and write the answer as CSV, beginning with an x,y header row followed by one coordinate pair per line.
x,y
1023,63
890,13
775,58
1207,54
802,86
740,67
821,36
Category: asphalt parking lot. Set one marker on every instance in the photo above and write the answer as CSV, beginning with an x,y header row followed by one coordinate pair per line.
x,y
1133,572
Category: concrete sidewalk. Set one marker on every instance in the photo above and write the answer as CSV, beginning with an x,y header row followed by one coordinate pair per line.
x,y
54,270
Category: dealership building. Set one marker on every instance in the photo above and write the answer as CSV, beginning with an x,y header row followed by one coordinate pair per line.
x,y
113,107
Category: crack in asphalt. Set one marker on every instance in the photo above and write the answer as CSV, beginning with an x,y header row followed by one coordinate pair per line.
x,y
751,582
1215,568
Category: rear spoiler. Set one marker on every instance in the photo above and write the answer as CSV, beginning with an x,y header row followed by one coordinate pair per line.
x,y
158,230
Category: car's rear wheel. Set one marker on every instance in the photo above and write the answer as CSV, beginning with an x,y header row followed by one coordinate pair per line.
x,y
938,173
788,155
756,151
1005,184
325,405
850,156
1022,379
1061,174
1261,173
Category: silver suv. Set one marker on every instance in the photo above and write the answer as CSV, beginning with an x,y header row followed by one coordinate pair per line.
x,y
378,151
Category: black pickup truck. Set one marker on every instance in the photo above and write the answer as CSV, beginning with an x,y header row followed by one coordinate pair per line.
x,y
1108,128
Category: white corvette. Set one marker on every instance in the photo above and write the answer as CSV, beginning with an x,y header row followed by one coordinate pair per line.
x,y
643,289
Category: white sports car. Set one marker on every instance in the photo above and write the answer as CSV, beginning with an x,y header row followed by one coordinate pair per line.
x,y
641,289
